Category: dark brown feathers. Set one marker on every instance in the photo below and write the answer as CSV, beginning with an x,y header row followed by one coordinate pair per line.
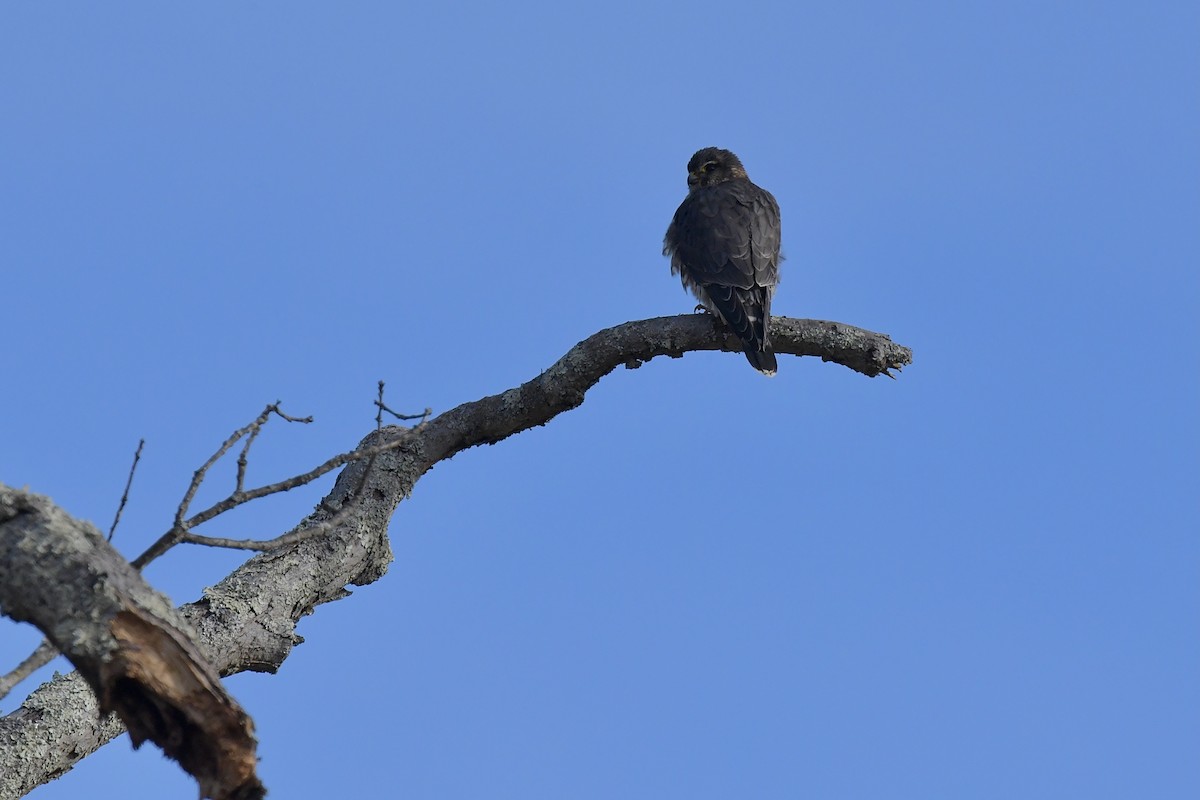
x,y
724,245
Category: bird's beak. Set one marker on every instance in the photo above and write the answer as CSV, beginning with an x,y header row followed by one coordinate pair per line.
x,y
693,180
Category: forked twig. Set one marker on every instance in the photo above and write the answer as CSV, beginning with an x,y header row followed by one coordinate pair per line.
x,y
424,415
182,528
339,514
181,524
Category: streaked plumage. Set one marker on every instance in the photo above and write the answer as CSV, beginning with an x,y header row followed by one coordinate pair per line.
x,y
724,245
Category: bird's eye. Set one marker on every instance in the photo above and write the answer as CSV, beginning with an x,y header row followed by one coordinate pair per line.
x,y
708,167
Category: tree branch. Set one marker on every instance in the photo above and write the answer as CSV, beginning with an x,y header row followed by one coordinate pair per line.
x,y
561,387
126,640
137,456
247,621
42,655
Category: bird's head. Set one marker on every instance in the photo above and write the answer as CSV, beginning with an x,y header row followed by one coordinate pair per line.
x,y
711,166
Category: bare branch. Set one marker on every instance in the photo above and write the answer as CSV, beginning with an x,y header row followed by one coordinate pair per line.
x,y
558,389
379,407
262,545
137,456
42,655
424,415
255,429
247,621
257,545
182,533
561,387
199,475
181,525
131,646
251,431
45,652
243,460
291,483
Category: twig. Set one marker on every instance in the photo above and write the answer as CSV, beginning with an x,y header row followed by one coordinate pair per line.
x,y
379,405
424,415
259,545
291,483
292,537
181,524
137,456
182,530
40,657
198,475
240,482
338,514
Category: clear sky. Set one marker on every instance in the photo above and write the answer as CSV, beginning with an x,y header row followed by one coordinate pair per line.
x,y
981,580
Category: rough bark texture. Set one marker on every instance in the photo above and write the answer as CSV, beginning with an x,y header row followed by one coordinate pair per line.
x,y
127,641
247,621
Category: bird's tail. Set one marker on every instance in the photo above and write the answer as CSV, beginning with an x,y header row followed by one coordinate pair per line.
x,y
746,312
762,360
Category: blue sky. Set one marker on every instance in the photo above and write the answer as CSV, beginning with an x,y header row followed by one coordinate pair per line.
x,y
979,580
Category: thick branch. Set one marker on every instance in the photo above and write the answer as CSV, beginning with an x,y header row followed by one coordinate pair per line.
x,y
562,386
126,640
247,621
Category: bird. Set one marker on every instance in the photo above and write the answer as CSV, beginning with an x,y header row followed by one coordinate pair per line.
x,y
724,244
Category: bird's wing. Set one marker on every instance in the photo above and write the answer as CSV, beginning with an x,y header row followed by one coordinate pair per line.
x,y
727,235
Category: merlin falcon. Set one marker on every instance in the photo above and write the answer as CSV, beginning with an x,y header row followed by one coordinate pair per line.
x,y
724,245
